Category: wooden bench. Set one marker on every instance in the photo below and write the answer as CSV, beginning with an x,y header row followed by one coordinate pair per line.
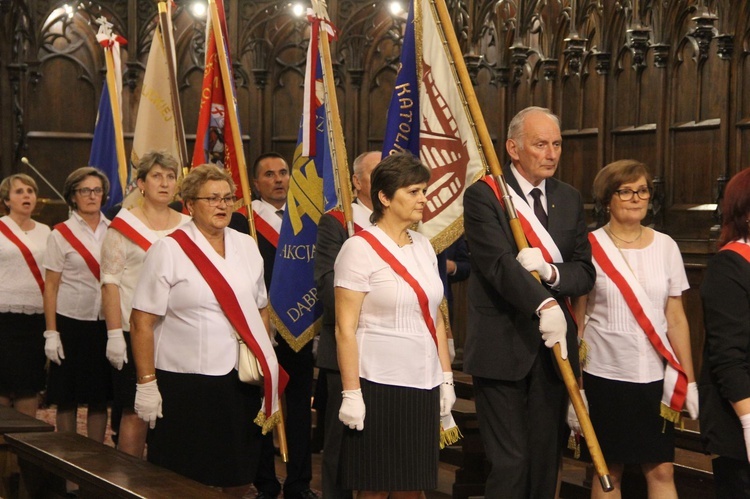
x,y
48,459
12,421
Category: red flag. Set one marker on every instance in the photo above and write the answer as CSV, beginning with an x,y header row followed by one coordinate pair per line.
x,y
213,139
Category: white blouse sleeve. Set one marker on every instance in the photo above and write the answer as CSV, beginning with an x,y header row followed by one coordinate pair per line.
x,y
155,282
678,281
113,257
353,266
54,256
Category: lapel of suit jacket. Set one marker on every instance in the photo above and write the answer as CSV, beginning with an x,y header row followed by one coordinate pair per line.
x,y
552,200
510,179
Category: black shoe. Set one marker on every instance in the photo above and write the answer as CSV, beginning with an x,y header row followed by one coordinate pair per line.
x,y
265,495
308,494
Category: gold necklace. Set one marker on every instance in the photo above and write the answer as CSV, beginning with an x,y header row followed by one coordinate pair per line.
x,y
151,224
410,240
608,231
640,233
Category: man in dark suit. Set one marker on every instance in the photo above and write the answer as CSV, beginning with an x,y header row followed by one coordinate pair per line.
x,y
513,319
271,182
331,236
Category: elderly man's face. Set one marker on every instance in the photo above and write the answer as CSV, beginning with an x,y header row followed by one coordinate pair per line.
x,y
537,152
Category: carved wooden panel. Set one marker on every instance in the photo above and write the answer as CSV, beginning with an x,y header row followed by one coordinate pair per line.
x,y
664,82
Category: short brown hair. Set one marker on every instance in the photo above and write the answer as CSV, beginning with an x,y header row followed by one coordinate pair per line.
x,y
392,173
77,176
7,184
198,176
612,176
153,158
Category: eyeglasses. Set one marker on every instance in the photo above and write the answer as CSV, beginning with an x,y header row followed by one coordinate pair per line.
x,y
86,191
214,201
627,194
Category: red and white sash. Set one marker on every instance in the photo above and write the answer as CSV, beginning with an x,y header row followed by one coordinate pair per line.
x,y
400,269
535,232
91,262
265,229
132,228
741,249
449,432
34,266
241,318
360,217
608,259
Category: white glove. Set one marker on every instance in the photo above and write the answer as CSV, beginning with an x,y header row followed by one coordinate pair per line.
x,y
745,420
447,394
573,422
532,260
554,328
451,350
53,348
352,411
691,401
117,350
148,402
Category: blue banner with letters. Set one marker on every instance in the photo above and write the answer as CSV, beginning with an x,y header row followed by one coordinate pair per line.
x,y
402,123
295,310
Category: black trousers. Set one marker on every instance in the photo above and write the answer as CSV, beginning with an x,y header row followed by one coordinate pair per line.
x,y
731,478
522,427
299,366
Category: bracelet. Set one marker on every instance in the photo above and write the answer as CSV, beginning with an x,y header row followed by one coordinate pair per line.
x,y
449,383
147,376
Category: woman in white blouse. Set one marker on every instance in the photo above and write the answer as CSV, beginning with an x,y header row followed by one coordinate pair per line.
x,y
76,336
638,374
22,245
184,338
392,346
130,235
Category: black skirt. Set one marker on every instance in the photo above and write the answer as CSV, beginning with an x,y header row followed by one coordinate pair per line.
x,y
207,432
124,380
398,450
626,419
22,354
85,375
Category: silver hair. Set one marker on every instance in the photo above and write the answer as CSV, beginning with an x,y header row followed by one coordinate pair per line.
x,y
515,129
359,162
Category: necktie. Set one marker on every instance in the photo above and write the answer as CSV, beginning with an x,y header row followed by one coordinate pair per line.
x,y
536,193
280,213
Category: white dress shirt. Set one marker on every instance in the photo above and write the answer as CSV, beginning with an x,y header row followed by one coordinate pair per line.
x,y
395,346
79,296
122,259
618,347
19,290
194,335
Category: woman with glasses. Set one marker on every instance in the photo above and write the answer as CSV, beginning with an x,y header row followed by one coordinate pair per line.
x,y
22,245
638,371
725,375
130,235
76,335
199,288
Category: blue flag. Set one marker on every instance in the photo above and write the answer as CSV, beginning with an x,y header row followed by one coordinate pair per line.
x,y
104,150
402,125
429,117
295,310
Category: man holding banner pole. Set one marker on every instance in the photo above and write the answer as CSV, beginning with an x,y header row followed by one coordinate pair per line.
x,y
513,319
